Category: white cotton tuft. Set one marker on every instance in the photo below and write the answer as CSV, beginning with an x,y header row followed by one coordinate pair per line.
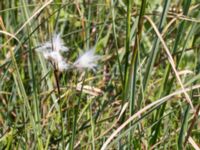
x,y
51,50
62,66
88,60
55,56
56,44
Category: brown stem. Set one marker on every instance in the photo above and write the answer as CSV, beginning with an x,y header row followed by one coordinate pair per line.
x,y
192,124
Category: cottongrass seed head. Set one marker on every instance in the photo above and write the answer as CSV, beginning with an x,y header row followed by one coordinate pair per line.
x,y
88,60
51,50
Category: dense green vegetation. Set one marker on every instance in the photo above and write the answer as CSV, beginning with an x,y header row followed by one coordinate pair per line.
x,y
140,90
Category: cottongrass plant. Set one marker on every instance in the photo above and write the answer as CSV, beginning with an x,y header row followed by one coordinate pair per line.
x,y
52,50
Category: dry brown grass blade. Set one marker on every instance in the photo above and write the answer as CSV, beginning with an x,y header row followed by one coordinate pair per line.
x,y
170,60
193,143
28,21
91,90
182,17
168,25
11,36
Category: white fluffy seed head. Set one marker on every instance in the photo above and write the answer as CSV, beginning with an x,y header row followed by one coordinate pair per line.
x,y
88,60
58,44
51,50
62,66
55,56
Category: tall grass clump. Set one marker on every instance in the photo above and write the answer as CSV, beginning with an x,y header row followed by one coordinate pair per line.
x,y
91,74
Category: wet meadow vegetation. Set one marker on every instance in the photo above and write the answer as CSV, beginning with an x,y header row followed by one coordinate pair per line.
x,y
99,74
